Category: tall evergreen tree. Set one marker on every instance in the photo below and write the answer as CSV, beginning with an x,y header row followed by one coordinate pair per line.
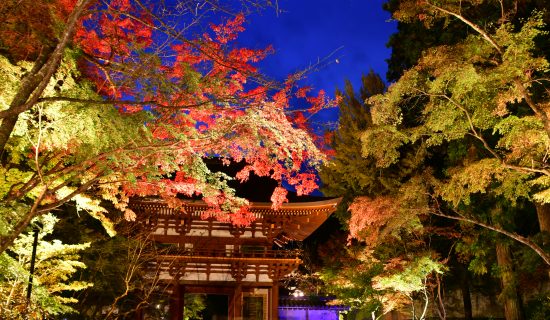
x,y
347,173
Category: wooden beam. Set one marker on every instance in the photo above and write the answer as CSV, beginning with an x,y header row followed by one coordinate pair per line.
x,y
216,286
175,239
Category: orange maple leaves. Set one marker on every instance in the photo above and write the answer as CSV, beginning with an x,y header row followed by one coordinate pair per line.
x,y
369,216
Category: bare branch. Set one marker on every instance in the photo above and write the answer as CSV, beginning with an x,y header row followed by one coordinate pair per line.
x,y
535,247
122,102
474,26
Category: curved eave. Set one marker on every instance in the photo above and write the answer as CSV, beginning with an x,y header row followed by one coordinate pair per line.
x,y
296,208
300,218
330,203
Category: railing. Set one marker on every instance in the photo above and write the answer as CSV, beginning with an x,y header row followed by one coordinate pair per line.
x,y
231,253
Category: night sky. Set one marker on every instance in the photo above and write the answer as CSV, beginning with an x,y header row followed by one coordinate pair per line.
x,y
348,36
354,31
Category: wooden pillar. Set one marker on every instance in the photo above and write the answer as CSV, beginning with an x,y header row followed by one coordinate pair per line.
x,y
239,302
236,303
177,302
275,300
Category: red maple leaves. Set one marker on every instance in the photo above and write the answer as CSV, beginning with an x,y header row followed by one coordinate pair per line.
x,y
369,217
230,30
278,197
202,102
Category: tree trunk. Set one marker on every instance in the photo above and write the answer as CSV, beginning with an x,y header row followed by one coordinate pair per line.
x,y
6,129
466,297
543,214
509,295
36,81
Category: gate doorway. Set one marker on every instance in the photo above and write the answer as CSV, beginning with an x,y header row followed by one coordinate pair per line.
x,y
217,306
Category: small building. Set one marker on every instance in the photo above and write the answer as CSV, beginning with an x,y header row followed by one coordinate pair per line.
x,y
243,265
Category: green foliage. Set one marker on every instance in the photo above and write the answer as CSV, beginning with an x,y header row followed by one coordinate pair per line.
x,y
74,132
477,250
413,38
412,278
56,263
480,110
194,305
476,100
538,308
388,199
346,175
382,143
10,76
9,213
463,131
352,281
349,174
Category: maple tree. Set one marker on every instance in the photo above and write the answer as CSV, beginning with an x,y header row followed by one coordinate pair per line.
x,y
473,111
473,103
127,97
56,262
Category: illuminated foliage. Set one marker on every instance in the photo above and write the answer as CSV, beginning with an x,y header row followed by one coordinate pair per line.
x,y
483,99
386,234
472,109
129,99
55,264
464,130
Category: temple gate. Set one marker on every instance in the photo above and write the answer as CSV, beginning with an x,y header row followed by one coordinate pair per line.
x,y
243,263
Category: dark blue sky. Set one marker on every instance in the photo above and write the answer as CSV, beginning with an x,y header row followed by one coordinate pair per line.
x,y
354,31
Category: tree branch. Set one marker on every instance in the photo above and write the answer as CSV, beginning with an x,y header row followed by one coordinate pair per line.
x,y
535,247
474,26
486,145
121,102
536,109
34,84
